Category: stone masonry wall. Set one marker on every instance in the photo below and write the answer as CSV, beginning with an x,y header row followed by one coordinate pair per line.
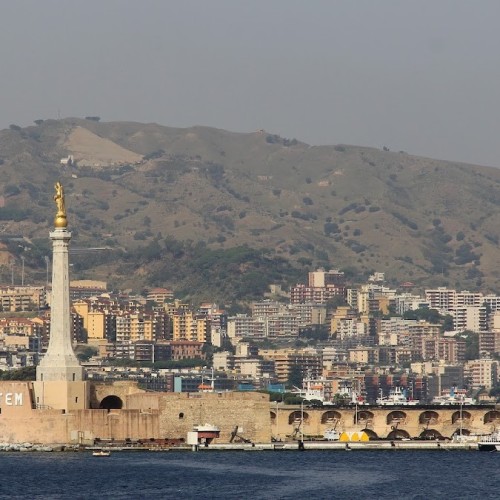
x,y
247,411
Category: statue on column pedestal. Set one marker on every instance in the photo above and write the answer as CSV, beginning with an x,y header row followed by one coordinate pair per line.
x,y
60,220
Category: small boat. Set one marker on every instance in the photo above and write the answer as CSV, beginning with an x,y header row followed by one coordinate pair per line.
x,y
101,453
490,442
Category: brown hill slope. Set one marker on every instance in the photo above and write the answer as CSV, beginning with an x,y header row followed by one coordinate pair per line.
x,y
427,221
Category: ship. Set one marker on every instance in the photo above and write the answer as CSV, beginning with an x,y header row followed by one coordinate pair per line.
x,y
453,397
396,397
314,391
490,442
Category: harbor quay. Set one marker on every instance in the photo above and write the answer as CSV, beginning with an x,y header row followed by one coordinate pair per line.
x,y
425,422
121,412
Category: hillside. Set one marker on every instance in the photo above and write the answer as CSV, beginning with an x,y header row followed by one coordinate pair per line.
x,y
207,211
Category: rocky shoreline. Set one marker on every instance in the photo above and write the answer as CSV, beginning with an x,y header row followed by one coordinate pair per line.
x,y
24,447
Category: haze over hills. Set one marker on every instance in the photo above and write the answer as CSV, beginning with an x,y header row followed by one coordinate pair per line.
x,y
211,212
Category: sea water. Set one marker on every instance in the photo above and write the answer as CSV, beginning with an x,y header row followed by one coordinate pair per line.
x,y
252,475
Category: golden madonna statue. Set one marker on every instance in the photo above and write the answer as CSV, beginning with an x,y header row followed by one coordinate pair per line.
x,y
60,220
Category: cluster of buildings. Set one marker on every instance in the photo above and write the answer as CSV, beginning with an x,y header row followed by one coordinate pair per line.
x,y
368,341
352,353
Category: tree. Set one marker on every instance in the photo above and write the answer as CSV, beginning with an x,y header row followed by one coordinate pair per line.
x,y
26,373
471,344
295,376
336,301
315,332
85,353
447,325
424,313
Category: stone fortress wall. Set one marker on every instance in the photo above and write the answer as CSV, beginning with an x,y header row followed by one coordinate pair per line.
x,y
121,411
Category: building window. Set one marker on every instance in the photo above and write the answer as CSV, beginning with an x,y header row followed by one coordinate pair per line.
x,y
181,415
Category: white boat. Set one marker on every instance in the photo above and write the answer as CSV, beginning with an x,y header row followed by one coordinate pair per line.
x,y
312,390
396,397
101,453
453,397
490,442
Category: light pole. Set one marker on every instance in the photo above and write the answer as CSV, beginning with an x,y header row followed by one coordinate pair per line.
x,y
46,258
22,270
301,442
461,415
277,420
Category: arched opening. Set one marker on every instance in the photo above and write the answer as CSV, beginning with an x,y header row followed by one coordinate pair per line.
x,y
371,434
492,417
111,403
397,434
428,418
181,415
273,417
296,416
460,415
396,417
363,417
331,418
430,434
461,432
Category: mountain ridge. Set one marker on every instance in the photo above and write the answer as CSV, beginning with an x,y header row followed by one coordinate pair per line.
x,y
428,221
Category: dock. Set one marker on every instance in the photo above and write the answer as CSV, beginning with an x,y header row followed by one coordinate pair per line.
x,y
343,446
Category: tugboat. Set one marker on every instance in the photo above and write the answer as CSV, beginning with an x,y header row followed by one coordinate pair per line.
x,y
490,442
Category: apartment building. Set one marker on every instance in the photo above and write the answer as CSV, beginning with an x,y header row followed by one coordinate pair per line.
x,y
447,300
22,298
187,325
160,295
185,349
474,318
407,302
265,308
282,325
244,326
481,373
321,278
489,343
309,313
309,361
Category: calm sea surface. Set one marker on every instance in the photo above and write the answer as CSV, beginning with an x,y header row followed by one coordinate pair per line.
x,y
256,474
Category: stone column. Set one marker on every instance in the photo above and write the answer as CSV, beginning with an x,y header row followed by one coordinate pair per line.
x,y
60,362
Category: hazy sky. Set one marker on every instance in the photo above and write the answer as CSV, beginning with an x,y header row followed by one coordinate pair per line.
x,y
416,75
